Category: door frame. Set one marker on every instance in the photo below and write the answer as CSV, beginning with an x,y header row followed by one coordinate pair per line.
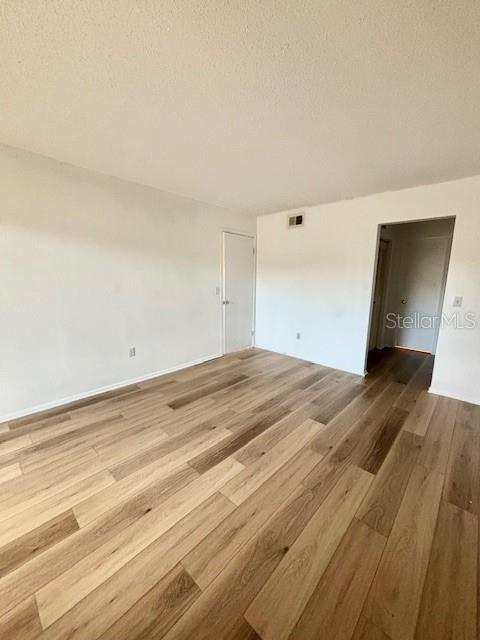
x,y
246,234
384,294
378,232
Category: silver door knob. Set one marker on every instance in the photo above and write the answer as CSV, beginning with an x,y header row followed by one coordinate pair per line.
x,y
226,302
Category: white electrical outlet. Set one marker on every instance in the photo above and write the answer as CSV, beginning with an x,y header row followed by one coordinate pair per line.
x,y
457,301
132,352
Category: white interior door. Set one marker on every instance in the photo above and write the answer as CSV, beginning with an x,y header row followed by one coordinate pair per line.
x,y
238,291
421,289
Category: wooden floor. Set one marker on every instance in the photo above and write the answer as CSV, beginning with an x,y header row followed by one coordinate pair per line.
x,y
254,496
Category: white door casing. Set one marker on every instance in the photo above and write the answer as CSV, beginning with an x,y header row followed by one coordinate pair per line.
x,y
379,294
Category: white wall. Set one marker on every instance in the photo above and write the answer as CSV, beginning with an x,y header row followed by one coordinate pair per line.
x,y
91,265
317,280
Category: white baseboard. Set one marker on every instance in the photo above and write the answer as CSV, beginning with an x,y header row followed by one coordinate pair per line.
x,y
438,391
433,389
359,372
93,392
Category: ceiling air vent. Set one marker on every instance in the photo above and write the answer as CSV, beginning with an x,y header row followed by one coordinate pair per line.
x,y
296,220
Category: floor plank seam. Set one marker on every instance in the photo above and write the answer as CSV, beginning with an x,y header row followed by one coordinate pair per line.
x,y
287,469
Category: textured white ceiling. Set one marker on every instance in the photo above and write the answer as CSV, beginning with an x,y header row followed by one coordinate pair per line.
x,y
256,104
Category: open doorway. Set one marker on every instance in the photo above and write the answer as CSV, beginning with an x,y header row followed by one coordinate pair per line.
x,y
409,288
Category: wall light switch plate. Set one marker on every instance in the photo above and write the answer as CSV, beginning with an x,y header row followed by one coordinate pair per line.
x,y
457,301
132,352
